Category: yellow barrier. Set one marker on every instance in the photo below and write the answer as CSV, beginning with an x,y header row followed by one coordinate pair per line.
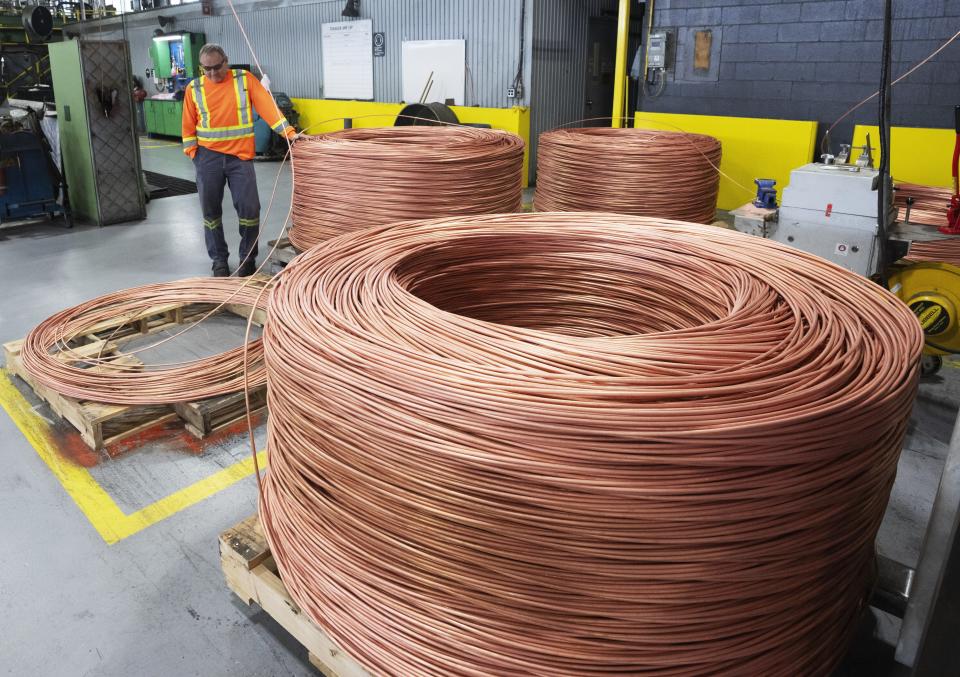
x,y
753,148
917,154
324,115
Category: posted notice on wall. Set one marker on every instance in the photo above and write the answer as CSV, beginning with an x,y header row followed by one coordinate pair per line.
x,y
433,70
347,59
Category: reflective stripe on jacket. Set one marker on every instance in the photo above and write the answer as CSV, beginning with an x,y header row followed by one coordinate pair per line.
x,y
219,115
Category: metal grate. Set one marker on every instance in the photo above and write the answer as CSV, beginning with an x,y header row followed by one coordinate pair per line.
x,y
161,185
116,151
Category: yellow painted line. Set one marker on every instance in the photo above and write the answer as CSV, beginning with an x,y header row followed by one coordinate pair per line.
x,y
96,504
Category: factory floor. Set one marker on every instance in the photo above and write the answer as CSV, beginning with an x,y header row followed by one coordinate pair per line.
x,y
110,565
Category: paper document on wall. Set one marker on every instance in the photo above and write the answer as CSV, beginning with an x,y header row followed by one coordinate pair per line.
x,y
347,50
433,70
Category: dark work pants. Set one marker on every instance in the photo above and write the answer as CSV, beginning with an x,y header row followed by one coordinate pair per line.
x,y
214,170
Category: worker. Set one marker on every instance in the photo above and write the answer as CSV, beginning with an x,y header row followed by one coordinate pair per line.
x,y
218,135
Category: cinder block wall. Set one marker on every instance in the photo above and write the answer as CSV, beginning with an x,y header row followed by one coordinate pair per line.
x,y
811,60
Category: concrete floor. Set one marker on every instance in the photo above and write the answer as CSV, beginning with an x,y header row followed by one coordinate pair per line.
x,y
155,603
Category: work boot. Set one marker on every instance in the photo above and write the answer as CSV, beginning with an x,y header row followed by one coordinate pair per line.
x,y
247,268
221,269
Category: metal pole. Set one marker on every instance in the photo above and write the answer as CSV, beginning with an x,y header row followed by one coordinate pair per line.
x,y
620,71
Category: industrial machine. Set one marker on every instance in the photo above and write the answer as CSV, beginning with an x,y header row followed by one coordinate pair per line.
x,y
830,209
30,183
25,30
176,61
270,145
98,139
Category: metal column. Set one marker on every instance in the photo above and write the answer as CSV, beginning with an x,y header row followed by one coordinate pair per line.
x,y
620,70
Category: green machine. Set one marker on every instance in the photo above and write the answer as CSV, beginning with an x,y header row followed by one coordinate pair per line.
x,y
176,61
92,85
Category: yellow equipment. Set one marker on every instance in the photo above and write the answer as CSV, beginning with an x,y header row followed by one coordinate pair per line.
x,y
932,290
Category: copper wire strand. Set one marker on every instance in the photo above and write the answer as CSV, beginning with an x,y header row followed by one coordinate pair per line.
x,y
944,250
361,177
825,143
59,332
929,203
105,380
568,443
645,172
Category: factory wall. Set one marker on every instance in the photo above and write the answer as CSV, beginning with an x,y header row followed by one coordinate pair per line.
x,y
286,36
558,80
811,60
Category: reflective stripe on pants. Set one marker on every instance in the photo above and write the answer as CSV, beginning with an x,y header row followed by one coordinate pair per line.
x,y
214,172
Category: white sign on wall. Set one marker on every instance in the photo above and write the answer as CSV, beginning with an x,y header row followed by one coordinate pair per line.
x,y
444,60
347,52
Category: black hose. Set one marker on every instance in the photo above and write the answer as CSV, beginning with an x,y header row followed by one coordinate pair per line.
x,y
883,190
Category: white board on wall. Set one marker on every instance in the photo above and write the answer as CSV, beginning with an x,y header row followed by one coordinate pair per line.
x,y
446,59
347,49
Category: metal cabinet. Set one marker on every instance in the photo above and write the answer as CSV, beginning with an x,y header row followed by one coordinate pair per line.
x,y
97,124
163,117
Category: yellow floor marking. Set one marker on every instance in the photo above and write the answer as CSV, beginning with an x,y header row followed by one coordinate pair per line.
x,y
96,504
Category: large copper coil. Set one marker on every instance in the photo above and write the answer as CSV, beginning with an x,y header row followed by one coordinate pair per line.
x,y
356,178
48,357
671,175
579,443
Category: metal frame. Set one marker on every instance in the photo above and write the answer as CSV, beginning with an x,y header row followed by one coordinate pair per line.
x,y
930,632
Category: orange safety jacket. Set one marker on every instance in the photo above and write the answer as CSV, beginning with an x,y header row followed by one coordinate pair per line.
x,y
219,115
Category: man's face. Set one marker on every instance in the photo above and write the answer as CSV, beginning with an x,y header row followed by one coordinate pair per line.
x,y
215,66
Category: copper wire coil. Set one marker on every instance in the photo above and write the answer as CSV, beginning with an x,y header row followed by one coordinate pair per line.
x,y
944,250
568,443
930,204
45,353
362,177
671,175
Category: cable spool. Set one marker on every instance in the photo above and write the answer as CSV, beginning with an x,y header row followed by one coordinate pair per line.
x,y
671,175
570,443
115,381
434,114
356,178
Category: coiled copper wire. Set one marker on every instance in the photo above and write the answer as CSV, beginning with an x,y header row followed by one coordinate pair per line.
x,y
355,178
943,250
46,355
671,175
572,443
929,203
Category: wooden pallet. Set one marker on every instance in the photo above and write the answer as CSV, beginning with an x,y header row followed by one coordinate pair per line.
x,y
283,254
251,573
207,416
101,424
